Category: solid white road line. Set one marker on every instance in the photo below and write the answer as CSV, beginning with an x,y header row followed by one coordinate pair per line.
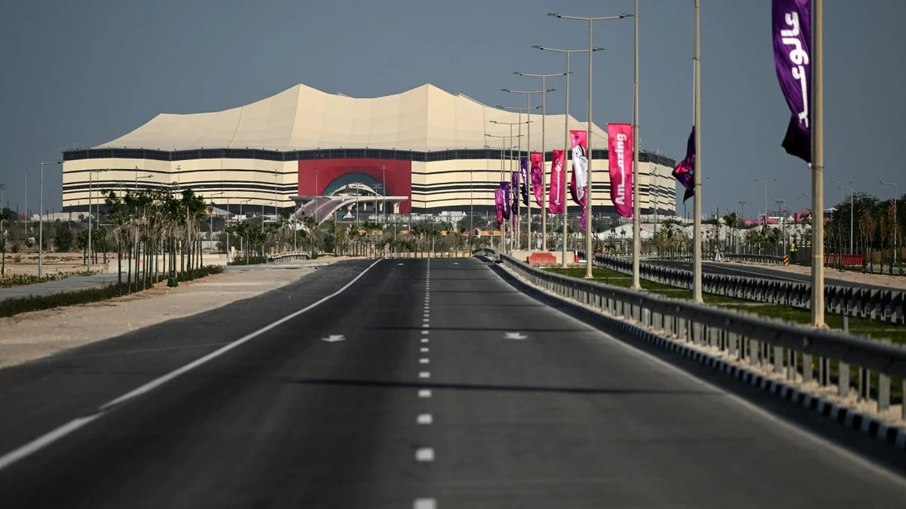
x,y
60,432
45,440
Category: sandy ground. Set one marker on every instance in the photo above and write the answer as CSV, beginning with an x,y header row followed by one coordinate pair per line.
x,y
30,336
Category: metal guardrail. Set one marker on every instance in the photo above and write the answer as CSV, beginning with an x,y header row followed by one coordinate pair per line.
x,y
292,255
872,303
755,258
800,352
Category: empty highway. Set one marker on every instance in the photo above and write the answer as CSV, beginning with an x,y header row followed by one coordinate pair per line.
x,y
401,383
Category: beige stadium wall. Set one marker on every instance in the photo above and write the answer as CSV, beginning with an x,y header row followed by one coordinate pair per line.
x,y
460,184
223,181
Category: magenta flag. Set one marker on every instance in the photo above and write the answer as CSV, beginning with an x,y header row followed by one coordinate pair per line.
x,y
515,178
526,183
792,33
506,199
498,200
685,170
620,157
537,168
557,202
579,148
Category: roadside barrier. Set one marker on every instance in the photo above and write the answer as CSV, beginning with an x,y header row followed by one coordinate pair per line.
x,y
798,353
872,303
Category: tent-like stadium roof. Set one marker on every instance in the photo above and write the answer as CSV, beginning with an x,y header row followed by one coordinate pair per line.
x,y
425,118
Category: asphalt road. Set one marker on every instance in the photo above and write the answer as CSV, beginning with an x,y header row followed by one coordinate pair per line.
x,y
425,384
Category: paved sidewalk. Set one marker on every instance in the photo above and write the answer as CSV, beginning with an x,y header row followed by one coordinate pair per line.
x,y
77,283
29,336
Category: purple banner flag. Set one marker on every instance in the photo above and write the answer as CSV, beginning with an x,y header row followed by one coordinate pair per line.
x,y
498,201
792,30
526,183
685,170
506,199
515,178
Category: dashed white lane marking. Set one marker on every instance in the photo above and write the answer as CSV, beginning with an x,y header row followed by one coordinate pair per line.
x,y
426,320
425,333
399,264
333,338
424,393
424,361
424,419
424,454
424,340
424,503
425,326
515,335
424,349
424,374
79,422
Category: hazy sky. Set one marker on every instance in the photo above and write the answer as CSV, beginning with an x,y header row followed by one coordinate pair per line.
x,y
78,74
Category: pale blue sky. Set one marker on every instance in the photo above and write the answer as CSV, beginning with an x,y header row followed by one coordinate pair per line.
x,y
78,74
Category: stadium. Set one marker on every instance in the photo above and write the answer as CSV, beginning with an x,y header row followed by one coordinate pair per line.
x,y
423,151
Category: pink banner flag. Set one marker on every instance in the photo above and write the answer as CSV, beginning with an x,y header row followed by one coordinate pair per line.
x,y
557,201
498,201
537,168
619,150
579,147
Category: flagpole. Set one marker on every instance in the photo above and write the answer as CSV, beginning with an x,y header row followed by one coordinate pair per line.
x,y
697,176
636,206
817,129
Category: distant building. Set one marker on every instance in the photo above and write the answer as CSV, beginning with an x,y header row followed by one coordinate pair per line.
x,y
432,150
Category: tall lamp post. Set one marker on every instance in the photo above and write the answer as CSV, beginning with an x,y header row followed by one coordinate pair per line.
x,y
740,223
41,222
588,195
512,146
782,229
503,139
90,175
544,91
137,177
896,226
528,144
519,148
566,52
765,182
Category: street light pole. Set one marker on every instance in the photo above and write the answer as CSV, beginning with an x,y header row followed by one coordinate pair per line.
x,y
588,196
782,229
528,144
90,174
896,229
636,206
515,232
566,147
528,122
765,182
543,150
41,222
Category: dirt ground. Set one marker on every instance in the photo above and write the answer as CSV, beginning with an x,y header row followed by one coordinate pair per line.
x,y
29,336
